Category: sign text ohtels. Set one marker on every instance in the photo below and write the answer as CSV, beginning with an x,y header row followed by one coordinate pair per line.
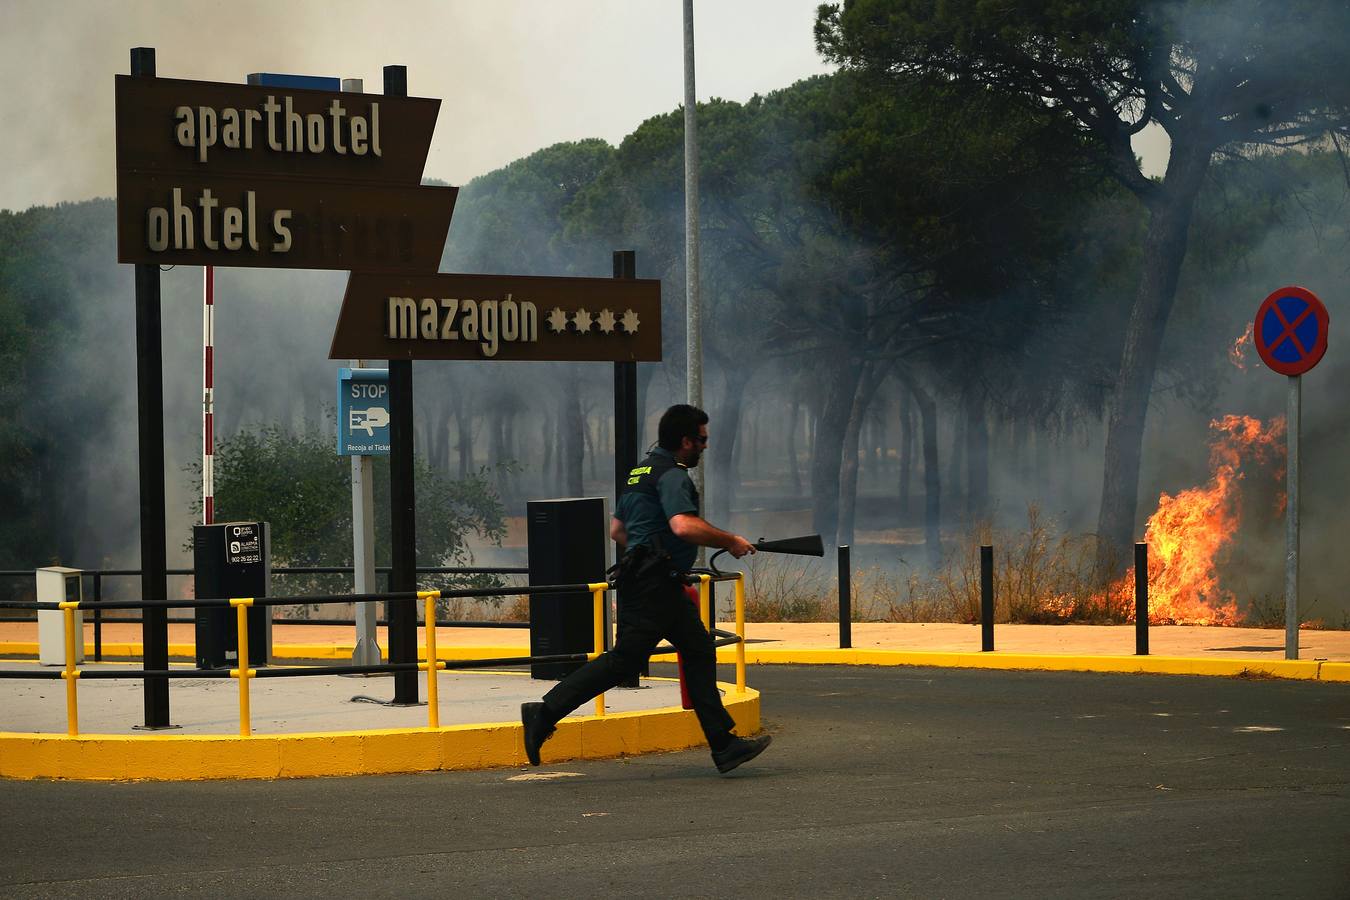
x,y
247,175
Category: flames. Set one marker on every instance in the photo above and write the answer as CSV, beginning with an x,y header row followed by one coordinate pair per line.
x,y
1237,354
1191,530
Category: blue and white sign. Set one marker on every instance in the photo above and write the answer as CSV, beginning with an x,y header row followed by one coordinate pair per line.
x,y
363,412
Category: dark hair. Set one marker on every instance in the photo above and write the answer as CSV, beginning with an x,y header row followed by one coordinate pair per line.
x,y
677,423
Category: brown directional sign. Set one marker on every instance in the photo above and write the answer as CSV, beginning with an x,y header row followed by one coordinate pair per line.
x,y
164,124
509,317
245,175
188,219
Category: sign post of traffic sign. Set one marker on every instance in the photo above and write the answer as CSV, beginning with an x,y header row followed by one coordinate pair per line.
x,y
1290,334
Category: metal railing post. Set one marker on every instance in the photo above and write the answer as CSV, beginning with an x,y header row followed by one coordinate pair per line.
x,y
845,598
98,617
598,636
704,606
740,630
432,664
71,674
1141,599
243,673
986,598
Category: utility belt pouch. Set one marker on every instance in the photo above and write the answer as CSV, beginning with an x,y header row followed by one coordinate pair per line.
x,y
643,563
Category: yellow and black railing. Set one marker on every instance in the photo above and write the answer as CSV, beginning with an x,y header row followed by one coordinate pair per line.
x,y
431,663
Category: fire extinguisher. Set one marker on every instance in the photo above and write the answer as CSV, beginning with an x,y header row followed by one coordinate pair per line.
x,y
691,592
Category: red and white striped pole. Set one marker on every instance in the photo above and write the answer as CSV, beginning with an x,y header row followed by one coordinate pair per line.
x,y
208,396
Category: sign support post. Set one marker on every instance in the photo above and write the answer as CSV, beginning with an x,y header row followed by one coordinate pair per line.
x,y
402,614
1291,530
1290,335
367,651
150,433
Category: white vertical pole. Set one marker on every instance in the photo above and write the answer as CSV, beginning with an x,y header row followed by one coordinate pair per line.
x,y
1291,519
208,395
693,316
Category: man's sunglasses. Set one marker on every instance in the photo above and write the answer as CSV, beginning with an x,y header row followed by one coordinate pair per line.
x,y
700,438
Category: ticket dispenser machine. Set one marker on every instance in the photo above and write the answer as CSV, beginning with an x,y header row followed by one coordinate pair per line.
x,y
568,544
57,584
233,559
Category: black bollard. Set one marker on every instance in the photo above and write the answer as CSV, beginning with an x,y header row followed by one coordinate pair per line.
x,y
986,598
1141,599
845,599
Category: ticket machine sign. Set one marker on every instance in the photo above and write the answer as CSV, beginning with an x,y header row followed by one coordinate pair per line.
x,y
363,412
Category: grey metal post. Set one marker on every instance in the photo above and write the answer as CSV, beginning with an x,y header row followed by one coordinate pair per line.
x,y
693,317
367,651
1291,521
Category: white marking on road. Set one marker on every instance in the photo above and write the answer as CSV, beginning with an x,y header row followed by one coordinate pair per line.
x,y
1161,715
1256,729
543,776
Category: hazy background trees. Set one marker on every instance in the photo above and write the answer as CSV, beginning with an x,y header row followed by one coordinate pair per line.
x,y
923,284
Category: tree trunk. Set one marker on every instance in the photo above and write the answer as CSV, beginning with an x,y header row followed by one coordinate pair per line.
x,y
977,458
1163,253
723,446
932,483
464,424
545,468
573,434
957,463
869,381
794,424
906,449
829,446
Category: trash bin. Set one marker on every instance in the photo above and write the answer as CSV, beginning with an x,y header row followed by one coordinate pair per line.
x,y
57,584
568,544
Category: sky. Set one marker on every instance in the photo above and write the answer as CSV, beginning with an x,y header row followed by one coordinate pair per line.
x,y
513,75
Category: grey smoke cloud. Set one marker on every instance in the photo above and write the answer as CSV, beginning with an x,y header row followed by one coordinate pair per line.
x,y
513,76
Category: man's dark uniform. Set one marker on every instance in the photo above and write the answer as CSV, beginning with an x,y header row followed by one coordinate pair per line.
x,y
653,600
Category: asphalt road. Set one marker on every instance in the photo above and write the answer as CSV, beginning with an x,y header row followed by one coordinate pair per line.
x,y
880,782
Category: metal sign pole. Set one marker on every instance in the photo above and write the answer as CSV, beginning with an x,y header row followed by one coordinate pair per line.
x,y
150,418
367,652
1291,520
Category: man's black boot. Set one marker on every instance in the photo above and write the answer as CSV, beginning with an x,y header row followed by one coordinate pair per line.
x,y
538,722
738,751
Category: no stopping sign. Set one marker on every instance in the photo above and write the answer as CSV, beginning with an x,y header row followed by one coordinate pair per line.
x,y
1290,331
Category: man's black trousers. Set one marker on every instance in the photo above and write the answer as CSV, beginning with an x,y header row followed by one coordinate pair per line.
x,y
654,607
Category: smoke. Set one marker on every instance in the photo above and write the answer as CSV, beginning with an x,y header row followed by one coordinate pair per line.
x,y
513,76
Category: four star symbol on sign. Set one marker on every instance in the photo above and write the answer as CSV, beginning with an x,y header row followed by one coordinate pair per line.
x,y
558,319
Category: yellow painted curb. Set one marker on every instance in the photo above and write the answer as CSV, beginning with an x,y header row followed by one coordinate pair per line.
x,y
1306,669
159,757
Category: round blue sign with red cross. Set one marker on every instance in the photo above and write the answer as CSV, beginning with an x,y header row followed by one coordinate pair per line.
x,y
1290,332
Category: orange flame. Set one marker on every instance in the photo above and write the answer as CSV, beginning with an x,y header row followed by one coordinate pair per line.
x,y
1237,354
1189,531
